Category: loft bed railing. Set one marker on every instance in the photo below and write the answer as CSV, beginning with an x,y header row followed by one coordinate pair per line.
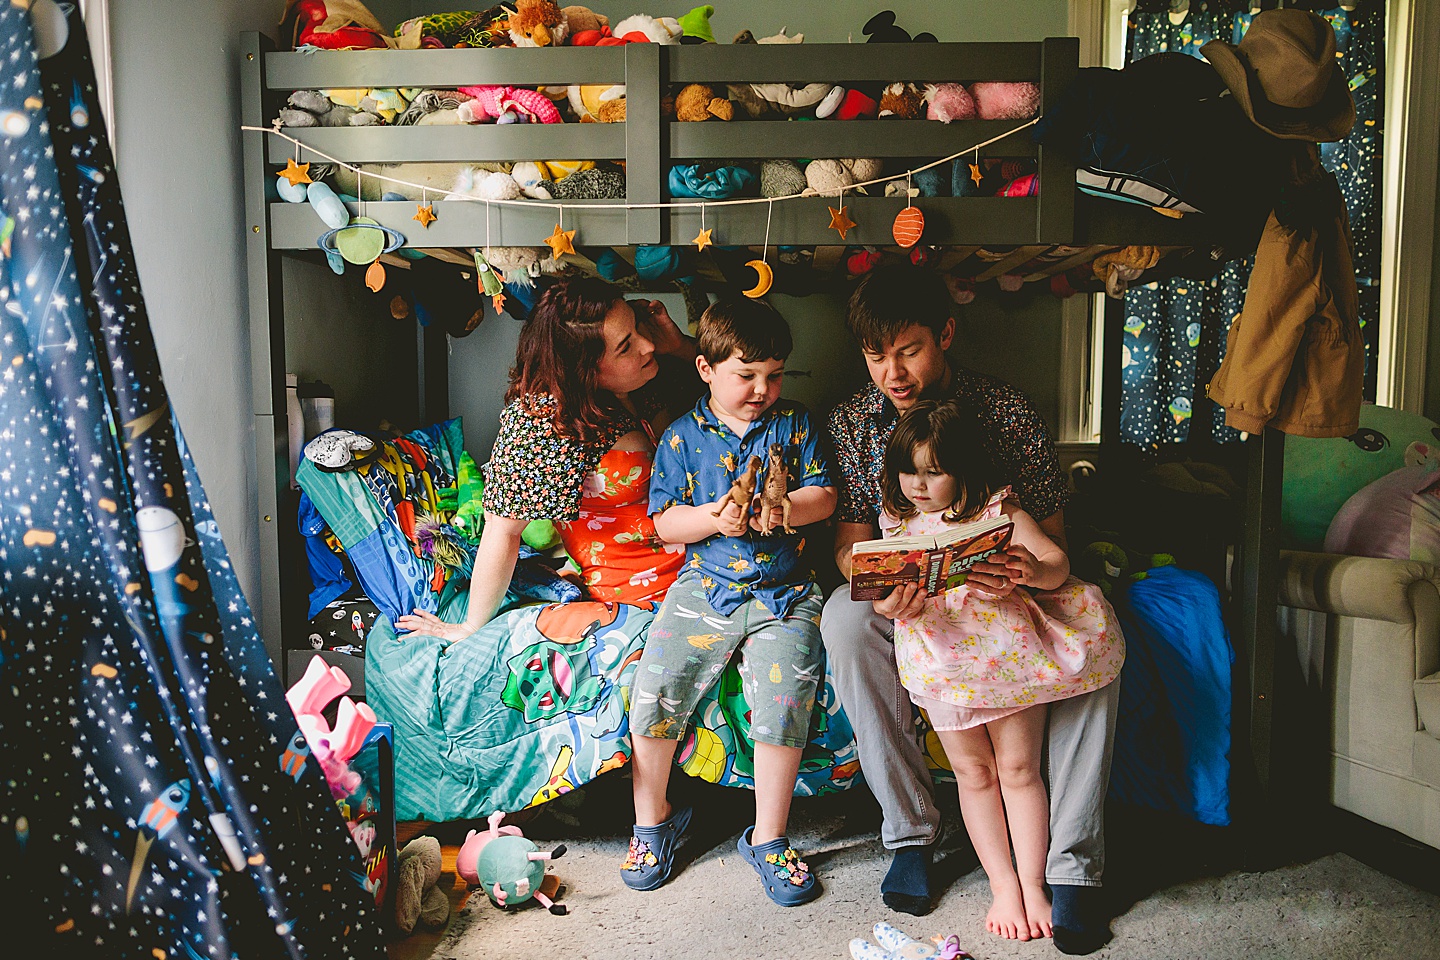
x,y
648,144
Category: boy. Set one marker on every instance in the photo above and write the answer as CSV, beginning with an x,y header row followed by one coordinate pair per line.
x,y
739,587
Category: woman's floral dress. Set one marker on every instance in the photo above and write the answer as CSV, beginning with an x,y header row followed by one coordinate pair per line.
x,y
992,656
613,539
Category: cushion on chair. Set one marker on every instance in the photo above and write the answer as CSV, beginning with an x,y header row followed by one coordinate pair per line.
x,y
1427,701
1397,516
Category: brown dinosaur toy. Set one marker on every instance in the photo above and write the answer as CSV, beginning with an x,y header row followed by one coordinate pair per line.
x,y
742,491
776,492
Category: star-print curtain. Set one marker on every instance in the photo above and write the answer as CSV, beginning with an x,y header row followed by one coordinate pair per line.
x,y
1175,330
143,809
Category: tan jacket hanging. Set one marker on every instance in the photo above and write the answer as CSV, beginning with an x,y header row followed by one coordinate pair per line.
x,y
1294,358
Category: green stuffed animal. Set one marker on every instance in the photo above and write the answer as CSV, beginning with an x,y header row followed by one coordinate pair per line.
x,y
1104,563
469,516
1320,475
511,869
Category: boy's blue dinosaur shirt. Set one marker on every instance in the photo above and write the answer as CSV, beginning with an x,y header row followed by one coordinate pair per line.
x,y
697,460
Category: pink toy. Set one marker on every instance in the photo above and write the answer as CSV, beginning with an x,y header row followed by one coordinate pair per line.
x,y
1006,101
353,722
469,856
948,101
507,105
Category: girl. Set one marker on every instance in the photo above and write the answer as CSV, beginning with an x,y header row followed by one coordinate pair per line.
x,y
982,663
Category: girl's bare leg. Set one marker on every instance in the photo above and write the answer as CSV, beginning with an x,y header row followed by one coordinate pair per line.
x,y
972,757
1017,739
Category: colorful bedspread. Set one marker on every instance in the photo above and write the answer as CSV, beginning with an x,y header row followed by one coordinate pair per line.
x,y
535,704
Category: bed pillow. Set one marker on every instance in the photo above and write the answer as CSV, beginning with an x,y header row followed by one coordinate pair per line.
x,y
1397,516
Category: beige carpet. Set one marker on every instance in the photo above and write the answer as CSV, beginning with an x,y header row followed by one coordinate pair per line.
x,y
1330,907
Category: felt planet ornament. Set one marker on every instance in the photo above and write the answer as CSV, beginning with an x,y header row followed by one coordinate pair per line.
x,y
766,278
909,225
361,241
375,277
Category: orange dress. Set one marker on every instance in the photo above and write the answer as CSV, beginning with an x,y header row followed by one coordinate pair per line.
x,y
613,539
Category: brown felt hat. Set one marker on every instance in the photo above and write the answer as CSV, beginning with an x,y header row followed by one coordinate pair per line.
x,y
1285,76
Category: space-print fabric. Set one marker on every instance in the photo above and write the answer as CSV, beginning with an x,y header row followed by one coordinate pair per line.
x,y
1175,331
129,825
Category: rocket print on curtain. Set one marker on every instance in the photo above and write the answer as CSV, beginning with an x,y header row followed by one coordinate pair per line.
x,y
148,807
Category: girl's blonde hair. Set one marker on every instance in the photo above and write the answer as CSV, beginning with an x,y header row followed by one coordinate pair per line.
x,y
957,443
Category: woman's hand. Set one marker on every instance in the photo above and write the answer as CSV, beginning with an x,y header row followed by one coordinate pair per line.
x,y
905,602
654,321
422,624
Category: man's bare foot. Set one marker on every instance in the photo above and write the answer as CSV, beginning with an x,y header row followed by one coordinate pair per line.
x,y
1007,916
1037,910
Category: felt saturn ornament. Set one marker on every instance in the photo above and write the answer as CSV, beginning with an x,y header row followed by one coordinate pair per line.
x,y
361,241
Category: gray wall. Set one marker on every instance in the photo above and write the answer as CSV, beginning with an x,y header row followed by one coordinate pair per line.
x,y
177,108
177,113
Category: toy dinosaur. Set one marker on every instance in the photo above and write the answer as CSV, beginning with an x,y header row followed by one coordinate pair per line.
x,y
742,491
775,492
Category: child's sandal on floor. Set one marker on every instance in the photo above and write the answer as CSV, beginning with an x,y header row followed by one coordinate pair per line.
x,y
787,879
652,852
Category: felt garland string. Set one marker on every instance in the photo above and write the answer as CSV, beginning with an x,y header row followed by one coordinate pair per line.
x,y
657,205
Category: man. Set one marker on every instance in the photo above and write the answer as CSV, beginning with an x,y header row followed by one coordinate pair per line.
x,y
900,316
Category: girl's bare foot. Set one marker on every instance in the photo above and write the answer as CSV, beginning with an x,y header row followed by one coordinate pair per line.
x,y
1037,910
1007,917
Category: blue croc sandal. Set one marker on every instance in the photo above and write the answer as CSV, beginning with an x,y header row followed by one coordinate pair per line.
x,y
652,852
788,880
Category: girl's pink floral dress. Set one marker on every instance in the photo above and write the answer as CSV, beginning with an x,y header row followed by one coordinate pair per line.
x,y
984,657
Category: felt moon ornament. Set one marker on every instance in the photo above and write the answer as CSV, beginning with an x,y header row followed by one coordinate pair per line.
x,y
909,225
767,277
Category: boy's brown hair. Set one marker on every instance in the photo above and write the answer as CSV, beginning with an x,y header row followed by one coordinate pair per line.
x,y
893,297
750,329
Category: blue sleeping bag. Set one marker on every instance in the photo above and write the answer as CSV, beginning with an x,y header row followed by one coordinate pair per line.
x,y
1172,737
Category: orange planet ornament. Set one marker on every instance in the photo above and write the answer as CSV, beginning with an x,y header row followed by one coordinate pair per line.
x,y
909,225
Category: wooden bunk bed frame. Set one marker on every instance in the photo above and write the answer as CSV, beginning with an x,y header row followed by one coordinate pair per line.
x,y
1058,215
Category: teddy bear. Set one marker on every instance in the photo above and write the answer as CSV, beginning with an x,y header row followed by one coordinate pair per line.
x,y
826,177
418,896
697,101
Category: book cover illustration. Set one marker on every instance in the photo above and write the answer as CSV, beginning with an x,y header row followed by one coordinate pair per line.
x,y
936,563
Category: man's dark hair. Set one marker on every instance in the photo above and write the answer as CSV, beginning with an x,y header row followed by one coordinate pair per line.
x,y
751,329
890,298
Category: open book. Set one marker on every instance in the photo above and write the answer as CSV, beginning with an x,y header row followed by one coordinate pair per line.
x,y
937,563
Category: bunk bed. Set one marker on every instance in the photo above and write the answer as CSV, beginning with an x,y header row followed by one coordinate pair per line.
x,y
1024,229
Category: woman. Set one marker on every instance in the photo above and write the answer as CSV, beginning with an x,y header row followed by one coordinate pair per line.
x,y
577,437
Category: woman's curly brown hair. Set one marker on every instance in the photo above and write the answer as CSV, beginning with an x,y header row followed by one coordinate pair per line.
x,y
559,356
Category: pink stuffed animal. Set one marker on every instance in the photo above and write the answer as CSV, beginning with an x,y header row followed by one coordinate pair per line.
x,y
467,860
948,101
507,105
1005,101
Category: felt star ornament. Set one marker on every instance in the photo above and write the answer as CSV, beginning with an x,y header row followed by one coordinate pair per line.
x,y
561,241
702,239
975,173
425,213
296,173
840,221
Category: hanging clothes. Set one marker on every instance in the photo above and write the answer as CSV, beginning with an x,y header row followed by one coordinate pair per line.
x,y
145,810
1295,358
1175,330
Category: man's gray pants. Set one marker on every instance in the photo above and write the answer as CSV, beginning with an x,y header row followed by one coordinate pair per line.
x,y
860,650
